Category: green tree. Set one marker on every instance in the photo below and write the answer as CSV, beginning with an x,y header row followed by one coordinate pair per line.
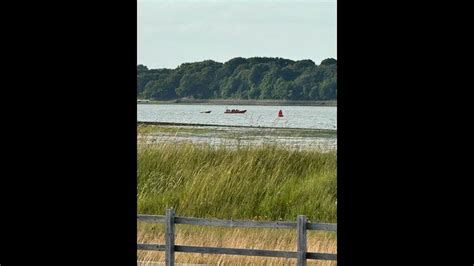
x,y
252,78
329,61
327,91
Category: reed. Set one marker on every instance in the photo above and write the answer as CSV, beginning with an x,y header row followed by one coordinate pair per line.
x,y
266,182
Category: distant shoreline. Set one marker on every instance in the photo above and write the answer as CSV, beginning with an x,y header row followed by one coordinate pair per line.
x,y
241,102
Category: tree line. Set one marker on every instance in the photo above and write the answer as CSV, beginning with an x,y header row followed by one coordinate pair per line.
x,y
241,78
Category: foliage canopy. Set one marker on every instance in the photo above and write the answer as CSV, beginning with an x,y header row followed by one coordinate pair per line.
x,y
241,78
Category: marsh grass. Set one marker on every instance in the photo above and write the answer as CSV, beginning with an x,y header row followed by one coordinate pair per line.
x,y
266,182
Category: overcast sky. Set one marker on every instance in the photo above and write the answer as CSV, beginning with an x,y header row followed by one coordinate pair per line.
x,y
174,32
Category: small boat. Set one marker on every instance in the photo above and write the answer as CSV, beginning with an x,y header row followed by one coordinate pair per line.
x,y
234,111
205,112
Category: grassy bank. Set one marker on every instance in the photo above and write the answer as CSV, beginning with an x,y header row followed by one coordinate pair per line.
x,y
251,182
146,128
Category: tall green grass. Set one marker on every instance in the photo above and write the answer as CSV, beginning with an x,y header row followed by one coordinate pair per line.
x,y
253,182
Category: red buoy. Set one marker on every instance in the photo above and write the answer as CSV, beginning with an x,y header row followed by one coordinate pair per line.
x,y
280,113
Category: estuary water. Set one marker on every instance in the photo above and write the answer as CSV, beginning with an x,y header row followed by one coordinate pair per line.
x,y
311,117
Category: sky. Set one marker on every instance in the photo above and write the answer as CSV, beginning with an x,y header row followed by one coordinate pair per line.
x,y
172,32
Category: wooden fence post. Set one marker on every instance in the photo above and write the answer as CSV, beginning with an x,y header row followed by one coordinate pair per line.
x,y
169,237
301,244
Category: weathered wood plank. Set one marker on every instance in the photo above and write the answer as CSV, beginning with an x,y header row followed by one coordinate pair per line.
x,y
155,247
151,218
232,223
271,253
301,247
236,251
169,237
321,256
322,226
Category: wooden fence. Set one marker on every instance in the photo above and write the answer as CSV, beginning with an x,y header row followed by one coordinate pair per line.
x,y
170,248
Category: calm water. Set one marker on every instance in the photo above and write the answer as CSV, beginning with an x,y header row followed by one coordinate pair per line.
x,y
294,116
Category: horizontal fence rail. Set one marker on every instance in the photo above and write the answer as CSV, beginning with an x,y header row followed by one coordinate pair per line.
x,y
301,226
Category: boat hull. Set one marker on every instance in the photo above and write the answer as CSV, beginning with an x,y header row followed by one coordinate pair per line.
x,y
236,112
